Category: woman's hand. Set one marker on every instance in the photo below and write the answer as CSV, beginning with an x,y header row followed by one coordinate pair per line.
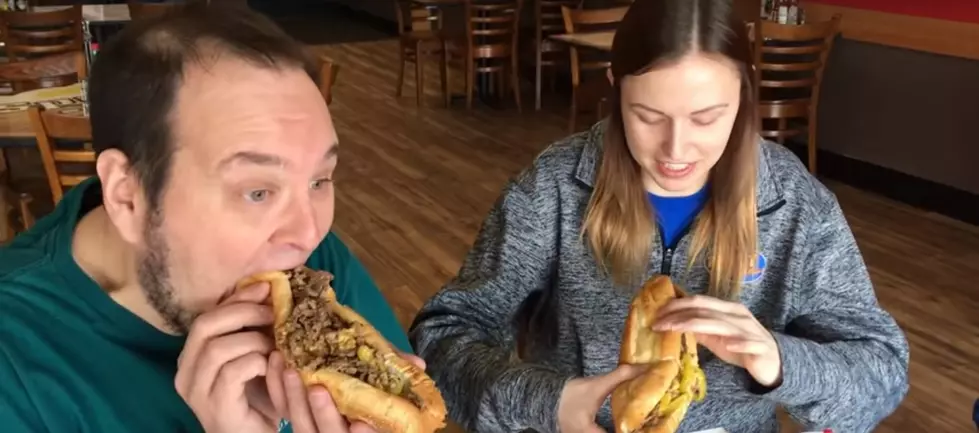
x,y
729,331
582,397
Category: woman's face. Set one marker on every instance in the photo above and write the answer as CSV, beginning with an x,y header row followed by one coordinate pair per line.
x,y
678,119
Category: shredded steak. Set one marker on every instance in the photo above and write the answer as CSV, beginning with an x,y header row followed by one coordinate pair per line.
x,y
316,338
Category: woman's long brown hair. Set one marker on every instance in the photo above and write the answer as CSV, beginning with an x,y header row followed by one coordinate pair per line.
x,y
619,223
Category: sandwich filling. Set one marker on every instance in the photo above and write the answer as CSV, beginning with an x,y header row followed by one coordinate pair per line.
x,y
688,386
315,338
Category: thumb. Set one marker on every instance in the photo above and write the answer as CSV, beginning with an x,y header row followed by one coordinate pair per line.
x,y
607,383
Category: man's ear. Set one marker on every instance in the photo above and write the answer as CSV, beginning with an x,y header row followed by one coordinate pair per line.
x,y
122,195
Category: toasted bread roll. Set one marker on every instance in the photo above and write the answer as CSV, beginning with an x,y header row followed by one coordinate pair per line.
x,y
657,400
333,346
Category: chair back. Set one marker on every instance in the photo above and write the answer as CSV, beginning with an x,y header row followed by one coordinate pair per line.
x,y
789,61
589,20
413,17
492,28
33,34
64,138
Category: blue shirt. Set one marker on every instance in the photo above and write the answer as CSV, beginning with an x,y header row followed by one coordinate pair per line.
x,y
674,215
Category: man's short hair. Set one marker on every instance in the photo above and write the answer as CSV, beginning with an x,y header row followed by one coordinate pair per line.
x,y
135,78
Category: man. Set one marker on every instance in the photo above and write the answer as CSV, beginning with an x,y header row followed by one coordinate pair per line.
x,y
216,155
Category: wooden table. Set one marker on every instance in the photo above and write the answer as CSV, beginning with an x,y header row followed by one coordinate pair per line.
x,y
596,40
14,123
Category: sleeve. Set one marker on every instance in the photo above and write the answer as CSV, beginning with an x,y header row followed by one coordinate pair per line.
x,y
17,412
464,332
356,289
844,359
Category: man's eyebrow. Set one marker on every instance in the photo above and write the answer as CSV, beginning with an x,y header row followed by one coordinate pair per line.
x,y
266,159
254,158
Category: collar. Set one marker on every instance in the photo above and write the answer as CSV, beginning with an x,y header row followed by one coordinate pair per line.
x,y
767,193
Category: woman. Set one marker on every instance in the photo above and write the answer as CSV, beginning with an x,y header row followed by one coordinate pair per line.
x,y
674,182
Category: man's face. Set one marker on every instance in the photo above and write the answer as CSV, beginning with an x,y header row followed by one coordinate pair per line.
x,y
250,185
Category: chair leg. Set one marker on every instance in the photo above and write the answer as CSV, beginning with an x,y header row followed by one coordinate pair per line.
x,y
26,216
419,75
469,82
811,145
572,116
515,83
401,73
537,79
445,75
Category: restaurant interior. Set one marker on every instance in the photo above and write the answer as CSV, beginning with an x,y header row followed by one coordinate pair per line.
x,y
438,103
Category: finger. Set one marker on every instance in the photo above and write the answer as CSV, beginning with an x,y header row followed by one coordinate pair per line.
x,y
325,413
669,321
607,383
224,320
749,347
359,427
704,325
298,403
276,388
223,350
229,386
255,293
414,359
705,302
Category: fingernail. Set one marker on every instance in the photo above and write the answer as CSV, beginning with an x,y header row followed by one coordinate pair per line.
x,y
319,397
292,378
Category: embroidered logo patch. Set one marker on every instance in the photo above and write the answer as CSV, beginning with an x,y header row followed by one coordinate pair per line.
x,y
756,272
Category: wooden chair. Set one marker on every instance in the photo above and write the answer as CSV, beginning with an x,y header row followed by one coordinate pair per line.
x,y
34,34
490,45
139,10
789,61
59,125
48,71
590,93
548,54
421,38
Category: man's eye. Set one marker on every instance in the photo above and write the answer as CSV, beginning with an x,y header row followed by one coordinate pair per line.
x,y
258,195
319,183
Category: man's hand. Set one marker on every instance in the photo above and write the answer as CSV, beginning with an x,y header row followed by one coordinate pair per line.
x,y
222,356
312,409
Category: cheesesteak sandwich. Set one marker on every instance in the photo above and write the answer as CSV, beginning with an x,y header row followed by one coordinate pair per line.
x,y
657,400
333,346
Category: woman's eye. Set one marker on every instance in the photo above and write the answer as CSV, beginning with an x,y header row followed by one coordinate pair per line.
x,y
319,183
258,195
653,121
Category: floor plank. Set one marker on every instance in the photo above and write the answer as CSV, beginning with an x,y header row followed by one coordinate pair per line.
x,y
416,183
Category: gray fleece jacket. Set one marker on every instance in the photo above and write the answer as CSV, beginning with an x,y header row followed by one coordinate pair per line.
x,y
845,360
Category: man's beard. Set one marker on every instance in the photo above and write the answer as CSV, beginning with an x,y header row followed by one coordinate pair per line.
x,y
153,272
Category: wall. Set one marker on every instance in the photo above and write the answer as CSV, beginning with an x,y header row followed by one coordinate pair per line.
x,y
902,91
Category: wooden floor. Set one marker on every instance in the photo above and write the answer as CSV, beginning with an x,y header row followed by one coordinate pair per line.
x,y
416,183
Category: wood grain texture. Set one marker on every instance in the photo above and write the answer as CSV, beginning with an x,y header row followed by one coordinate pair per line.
x,y
415,184
950,38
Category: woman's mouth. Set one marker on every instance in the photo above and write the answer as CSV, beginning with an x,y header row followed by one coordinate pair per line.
x,y
674,170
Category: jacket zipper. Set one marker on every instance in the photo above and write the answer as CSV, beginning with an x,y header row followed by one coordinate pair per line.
x,y
666,266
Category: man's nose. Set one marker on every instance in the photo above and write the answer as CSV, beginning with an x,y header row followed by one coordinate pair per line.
x,y
300,228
